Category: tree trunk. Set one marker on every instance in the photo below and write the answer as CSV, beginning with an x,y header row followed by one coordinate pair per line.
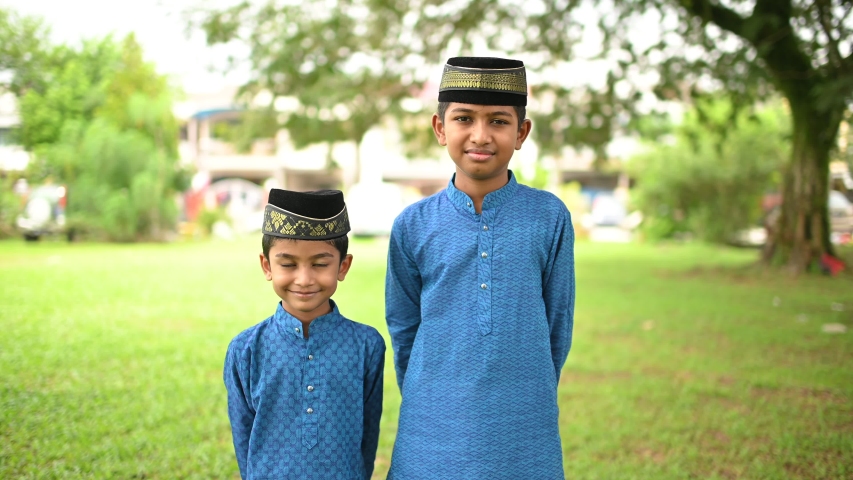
x,y
800,233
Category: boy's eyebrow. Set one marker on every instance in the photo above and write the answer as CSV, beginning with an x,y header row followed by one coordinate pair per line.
x,y
319,255
468,110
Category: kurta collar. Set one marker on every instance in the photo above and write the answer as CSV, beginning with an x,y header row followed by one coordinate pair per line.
x,y
291,325
492,200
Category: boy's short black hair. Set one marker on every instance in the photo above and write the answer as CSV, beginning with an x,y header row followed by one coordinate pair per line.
x,y
520,111
340,243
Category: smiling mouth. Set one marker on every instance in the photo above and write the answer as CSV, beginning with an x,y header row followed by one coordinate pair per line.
x,y
477,154
303,294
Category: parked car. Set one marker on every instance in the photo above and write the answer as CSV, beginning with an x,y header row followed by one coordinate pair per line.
x,y
840,213
44,213
607,211
840,220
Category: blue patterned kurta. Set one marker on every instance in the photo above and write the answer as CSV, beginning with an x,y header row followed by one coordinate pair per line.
x,y
305,408
480,311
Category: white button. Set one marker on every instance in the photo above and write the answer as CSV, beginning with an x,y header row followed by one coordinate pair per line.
x,y
484,286
309,411
469,204
484,254
310,357
485,228
310,388
297,330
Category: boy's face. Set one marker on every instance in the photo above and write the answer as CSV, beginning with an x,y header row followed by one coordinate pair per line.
x,y
480,138
305,274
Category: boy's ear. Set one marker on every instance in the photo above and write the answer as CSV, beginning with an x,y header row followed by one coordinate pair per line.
x,y
523,133
346,263
265,266
438,129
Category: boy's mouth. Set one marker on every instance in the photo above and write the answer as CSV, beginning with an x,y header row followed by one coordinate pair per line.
x,y
305,294
479,154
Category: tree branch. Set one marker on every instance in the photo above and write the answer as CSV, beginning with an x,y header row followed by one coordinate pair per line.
x,y
847,63
723,17
825,19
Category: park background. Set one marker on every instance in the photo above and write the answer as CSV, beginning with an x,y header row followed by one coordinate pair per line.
x,y
699,146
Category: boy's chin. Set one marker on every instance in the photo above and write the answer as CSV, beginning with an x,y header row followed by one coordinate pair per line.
x,y
482,171
305,306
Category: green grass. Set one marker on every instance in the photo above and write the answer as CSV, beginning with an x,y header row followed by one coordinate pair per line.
x,y
682,367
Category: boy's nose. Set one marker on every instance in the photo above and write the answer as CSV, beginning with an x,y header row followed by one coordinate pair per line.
x,y
480,134
304,277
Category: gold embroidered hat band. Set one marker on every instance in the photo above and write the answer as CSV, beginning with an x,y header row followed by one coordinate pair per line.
x,y
484,81
318,215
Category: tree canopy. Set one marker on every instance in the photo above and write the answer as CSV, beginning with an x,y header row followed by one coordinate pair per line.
x,y
682,49
97,118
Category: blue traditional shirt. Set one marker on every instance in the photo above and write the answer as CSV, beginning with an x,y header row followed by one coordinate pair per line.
x,y
305,408
480,312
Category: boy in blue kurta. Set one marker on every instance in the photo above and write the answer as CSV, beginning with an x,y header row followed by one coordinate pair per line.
x,y
305,385
480,294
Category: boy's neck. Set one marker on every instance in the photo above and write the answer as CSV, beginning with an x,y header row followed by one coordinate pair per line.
x,y
478,189
303,319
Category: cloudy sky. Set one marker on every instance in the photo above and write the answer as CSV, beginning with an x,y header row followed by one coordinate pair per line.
x,y
158,26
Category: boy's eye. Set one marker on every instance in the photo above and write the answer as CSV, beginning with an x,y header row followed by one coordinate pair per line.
x,y
463,118
287,265
321,264
500,122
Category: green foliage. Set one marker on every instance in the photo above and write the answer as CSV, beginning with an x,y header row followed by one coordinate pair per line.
x,y
709,182
99,119
121,185
308,50
25,52
208,217
416,134
749,50
255,125
334,61
539,179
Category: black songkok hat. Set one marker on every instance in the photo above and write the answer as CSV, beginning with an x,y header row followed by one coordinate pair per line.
x,y
318,215
484,81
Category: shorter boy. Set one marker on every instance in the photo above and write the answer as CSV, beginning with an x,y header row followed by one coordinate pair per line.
x,y
305,385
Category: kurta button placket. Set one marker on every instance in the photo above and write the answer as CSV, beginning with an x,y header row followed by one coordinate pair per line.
x,y
310,422
484,270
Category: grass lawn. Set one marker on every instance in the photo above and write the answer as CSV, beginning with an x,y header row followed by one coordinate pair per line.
x,y
686,364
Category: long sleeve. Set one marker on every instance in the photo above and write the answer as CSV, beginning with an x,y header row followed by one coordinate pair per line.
x,y
402,299
240,411
373,385
559,292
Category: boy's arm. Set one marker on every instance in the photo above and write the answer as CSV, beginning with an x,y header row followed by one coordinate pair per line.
x,y
373,383
240,411
559,292
402,299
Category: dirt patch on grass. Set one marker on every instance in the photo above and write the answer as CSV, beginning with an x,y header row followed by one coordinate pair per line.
x,y
799,395
751,274
676,376
819,465
650,454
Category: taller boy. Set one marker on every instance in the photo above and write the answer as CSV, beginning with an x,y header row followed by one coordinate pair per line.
x,y
480,296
